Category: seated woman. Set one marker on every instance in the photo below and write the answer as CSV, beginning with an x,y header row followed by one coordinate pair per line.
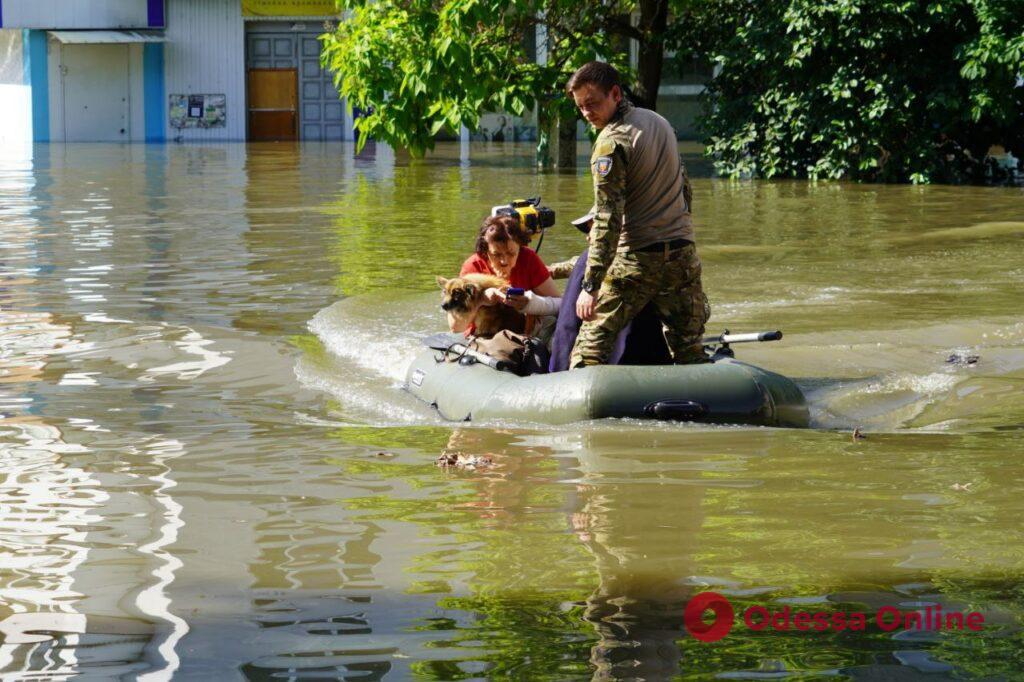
x,y
501,250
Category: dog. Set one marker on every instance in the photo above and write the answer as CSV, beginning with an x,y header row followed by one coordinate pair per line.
x,y
463,299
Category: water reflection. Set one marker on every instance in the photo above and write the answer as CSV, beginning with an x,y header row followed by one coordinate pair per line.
x,y
577,552
643,546
211,472
68,607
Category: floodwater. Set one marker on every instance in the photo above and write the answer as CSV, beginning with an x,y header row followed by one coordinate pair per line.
x,y
209,469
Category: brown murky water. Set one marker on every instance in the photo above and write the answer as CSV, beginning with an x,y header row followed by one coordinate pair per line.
x,y
210,470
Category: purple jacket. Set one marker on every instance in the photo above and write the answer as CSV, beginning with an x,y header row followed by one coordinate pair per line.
x,y
640,343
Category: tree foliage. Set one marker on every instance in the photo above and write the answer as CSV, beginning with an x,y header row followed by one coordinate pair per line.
x,y
886,90
416,67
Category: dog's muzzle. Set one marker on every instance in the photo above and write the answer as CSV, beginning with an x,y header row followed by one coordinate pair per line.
x,y
456,302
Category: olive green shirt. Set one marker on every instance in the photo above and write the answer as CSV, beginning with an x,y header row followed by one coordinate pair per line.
x,y
638,188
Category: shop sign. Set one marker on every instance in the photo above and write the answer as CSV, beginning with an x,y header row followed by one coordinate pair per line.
x,y
289,8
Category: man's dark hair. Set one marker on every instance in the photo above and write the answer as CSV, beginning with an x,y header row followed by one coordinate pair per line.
x,y
601,74
500,229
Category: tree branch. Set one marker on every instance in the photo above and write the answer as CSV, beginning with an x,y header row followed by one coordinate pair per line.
x,y
615,24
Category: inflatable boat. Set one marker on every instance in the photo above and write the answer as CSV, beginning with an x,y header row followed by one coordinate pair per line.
x,y
467,386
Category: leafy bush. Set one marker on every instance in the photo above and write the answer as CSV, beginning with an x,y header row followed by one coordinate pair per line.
x,y
881,90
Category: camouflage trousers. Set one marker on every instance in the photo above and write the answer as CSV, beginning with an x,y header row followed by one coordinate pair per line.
x,y
671,281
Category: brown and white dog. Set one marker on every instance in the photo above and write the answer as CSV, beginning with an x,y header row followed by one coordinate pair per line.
x,y
468,310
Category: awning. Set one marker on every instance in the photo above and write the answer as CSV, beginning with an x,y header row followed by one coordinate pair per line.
x,y
100,37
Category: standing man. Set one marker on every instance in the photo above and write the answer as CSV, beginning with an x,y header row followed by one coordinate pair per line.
x,y
641,242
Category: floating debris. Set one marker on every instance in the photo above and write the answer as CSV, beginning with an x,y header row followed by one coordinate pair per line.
x,y
449,460
962,359
962,486
857,435
385,455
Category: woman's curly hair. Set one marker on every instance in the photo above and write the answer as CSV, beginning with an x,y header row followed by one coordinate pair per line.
x,y
500,228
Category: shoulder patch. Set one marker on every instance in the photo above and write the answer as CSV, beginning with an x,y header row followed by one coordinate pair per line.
x,y
602,165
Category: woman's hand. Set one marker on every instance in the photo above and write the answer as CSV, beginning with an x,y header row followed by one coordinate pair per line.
x,y
518,302
494,296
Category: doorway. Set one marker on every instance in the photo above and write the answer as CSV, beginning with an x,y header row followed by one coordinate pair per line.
x,y
273,104
94,82
320,112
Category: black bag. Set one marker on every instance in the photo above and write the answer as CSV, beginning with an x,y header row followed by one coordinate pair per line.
x,y
525,354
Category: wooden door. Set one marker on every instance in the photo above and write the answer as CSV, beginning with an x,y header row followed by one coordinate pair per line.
x,y
273,104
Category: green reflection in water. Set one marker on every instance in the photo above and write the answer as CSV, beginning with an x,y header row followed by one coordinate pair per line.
x,y
179,293
579,562
576,553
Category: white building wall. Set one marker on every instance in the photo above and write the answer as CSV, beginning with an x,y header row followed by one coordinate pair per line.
x,y
75,13
136,95
55,80
205,54
15,94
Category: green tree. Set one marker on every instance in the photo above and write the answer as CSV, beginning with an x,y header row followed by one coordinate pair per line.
x,y
420,66
878,90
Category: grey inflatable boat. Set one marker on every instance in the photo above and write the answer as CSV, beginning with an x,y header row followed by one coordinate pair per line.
x,y
724,391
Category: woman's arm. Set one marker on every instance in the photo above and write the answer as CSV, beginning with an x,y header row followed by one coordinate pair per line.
x,y
541,305
544,299
547,288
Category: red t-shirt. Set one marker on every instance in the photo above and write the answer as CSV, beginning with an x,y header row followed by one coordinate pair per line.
x,y
528,273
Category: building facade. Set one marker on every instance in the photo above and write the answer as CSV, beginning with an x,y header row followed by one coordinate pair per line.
x,y
159,70
203,70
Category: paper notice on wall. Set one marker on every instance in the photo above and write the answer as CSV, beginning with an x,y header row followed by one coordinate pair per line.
x,y
198,111
289,8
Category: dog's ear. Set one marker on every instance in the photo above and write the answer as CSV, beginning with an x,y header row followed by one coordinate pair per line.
x,y
441,281
471,290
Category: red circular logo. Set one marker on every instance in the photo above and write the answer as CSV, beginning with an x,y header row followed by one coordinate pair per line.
x,y
693,617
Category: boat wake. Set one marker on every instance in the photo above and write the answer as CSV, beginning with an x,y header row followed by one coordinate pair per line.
x,y
363,356
956,377
961,376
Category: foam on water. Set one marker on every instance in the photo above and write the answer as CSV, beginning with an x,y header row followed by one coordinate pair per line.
x,y
363,401
925,386
369,353
353,329
886,380
896,379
